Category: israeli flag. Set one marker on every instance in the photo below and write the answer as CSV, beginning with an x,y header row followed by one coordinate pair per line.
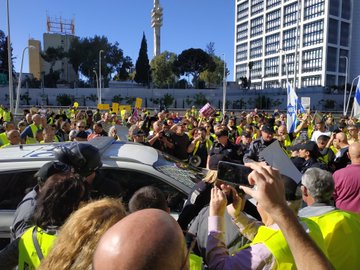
x,y
357,101
292,105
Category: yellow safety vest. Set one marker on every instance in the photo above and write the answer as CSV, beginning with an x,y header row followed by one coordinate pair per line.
x,y
195,262
239,130
31,140
208,144
6,116
275,241
28,255
341,232
3,138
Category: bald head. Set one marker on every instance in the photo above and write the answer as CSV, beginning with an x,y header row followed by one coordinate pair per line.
x,y
354,152
147,239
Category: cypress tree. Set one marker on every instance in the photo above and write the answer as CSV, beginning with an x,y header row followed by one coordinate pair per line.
x,y
142,65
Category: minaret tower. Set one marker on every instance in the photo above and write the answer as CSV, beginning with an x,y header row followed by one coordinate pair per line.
x,y
156,23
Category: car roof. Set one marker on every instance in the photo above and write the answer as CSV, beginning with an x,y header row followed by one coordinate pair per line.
x,y
108,147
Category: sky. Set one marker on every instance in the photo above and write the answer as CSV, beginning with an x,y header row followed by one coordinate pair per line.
x,y
186,24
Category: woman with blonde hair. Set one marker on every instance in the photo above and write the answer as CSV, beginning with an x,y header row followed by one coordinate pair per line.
x,y
78,237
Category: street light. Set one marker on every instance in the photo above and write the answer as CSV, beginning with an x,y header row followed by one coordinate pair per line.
x,y
346,80
99,100
224,87
352,85
19,81
11,98
97,83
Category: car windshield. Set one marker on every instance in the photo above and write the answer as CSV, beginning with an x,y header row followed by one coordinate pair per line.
x,y
181,171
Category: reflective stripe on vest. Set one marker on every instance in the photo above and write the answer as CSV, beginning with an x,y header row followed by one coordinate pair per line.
x,y
341,231
28,257
34,129
6,116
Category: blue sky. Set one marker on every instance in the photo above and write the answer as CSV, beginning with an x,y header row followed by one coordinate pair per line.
x,y
187,24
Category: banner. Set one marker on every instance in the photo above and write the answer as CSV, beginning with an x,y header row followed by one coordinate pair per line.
x,y
292,104
103,107
115,107
207,110
138,103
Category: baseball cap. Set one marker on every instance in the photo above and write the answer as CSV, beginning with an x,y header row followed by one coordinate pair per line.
x,y
51,168
309,146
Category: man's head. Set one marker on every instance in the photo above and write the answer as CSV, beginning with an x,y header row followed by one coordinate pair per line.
x,y
354,153
14,137
267,133
317,186
48,169
353,131
8,126
147,239
340,140
222,136
148,197
36,119
98,128
322,141
320,126
282,131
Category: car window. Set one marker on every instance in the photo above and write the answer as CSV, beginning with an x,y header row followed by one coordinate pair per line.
x,y
130,181
14,186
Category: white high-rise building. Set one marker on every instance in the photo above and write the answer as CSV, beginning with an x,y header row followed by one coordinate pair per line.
x,y
266,36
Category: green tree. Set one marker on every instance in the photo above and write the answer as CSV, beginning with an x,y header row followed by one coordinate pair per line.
x,y
123,72
142,65
51,55
162,73
200,99
130,100
167,100
117,99
214,78
92,98
210,49
192,62
4,63
25,97
188,101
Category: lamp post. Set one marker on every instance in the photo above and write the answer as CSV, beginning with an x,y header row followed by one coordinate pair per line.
x,y
97,83
346,80
19,81
352,85
298,19
224,87
11,93
101,51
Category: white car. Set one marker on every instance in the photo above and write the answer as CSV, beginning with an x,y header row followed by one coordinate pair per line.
x,y
132,165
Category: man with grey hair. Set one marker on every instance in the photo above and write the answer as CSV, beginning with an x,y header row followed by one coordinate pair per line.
x,y
336,225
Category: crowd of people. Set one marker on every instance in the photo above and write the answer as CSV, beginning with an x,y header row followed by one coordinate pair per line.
x,y
292,225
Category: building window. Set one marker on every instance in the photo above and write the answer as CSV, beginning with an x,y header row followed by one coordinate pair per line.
x,y
313,33
242,32
342,60
273,21
289,38
290,14
311,81
271,84
332,59
290,60
330,80
345,34
241,52
241,71
334,7
243,11
272,44
333,31
272,67
256,26
257,6
256,48
345,11
256,70
312,60
313,8
272,3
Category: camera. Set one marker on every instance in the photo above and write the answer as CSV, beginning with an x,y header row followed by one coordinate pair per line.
x,y
233,173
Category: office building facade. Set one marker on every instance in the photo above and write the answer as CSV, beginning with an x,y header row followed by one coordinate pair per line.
x,y
267,31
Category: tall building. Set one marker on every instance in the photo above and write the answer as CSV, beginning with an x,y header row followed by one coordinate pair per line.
x,y
36,63
266,33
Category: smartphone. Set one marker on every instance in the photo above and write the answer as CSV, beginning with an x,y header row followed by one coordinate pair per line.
x,y
233,173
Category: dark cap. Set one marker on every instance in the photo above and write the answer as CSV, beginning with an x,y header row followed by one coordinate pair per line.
x,y
221,133
49,169
268,129
309,146
138,132
246,134
81,134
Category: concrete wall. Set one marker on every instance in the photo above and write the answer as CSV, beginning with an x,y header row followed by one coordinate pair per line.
x,y
214,96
